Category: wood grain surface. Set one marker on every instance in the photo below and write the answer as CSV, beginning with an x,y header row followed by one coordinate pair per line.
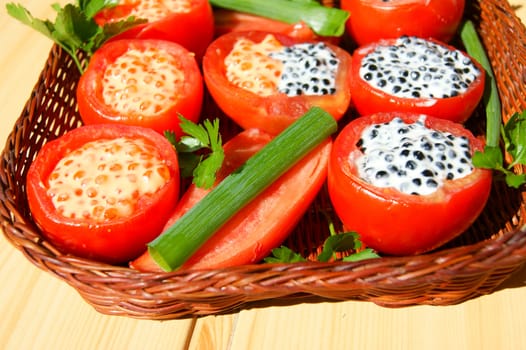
x,y
37,311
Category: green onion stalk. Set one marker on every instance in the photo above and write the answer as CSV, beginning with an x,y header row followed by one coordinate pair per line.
x,y
181,240
323,20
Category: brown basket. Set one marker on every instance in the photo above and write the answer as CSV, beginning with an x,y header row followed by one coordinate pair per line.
x,y
472,265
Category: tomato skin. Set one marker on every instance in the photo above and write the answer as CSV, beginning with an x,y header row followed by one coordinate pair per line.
x,y
372,20
114,241
194,30
227,21
94,110
271,113
396,223
367,99
264,223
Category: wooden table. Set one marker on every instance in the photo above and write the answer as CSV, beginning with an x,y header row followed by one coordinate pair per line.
x,y
37,311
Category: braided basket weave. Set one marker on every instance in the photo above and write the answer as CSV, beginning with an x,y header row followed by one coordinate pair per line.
x,y
472,265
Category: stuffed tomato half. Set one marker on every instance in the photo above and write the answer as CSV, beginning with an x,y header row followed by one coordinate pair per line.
x,y
189,23
268,80
103,191
266,221
146,83
405,182
411,74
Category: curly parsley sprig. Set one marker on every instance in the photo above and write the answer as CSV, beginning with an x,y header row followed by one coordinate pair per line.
x,y
74,28
513,134
192,161
335,243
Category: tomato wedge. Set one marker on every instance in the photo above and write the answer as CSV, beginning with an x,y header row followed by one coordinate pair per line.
x,y
372,20
103,191
416,75
189,23
243,80
264,223
141,82
387,217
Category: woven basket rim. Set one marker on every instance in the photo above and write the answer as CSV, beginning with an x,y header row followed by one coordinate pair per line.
x,y
442,277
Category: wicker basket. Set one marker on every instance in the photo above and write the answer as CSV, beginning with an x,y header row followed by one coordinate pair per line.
x,y
472,265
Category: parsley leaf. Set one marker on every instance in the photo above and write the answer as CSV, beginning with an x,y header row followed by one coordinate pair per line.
x,y
367,253
20,13
74,28
190,147
284,255
515,180
513,134
335,243
490,158
342,242
92,7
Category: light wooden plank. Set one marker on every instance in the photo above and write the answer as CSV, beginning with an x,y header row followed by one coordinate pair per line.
x,y
214,332
41,312
490,322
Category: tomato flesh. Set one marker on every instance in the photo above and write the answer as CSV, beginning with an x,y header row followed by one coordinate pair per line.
x,y
393,222
103,191
141,82
372,20
189,23
272,112
264,223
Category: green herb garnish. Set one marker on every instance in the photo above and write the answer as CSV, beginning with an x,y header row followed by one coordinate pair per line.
x,y
74,28
284,254
323,20
192,162
491,99
175,245
513,132
335,243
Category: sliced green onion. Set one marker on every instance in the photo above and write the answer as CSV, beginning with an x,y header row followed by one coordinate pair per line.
x,y
491,99
174,246
323,20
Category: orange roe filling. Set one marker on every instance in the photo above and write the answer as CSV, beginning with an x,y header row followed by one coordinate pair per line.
x,y
142,82
154,10
250,67
104,179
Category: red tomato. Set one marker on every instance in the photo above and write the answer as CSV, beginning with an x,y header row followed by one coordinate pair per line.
x,y
391,221
118,216
274,112
227,21
372,20
368,99
264,223
189,23
141,82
